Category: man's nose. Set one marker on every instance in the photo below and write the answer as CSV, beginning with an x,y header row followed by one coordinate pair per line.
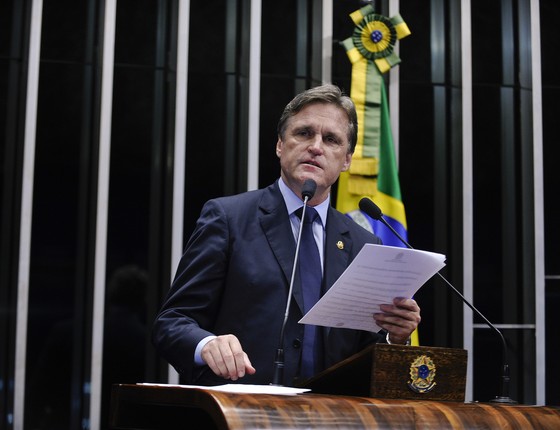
x,y
317,143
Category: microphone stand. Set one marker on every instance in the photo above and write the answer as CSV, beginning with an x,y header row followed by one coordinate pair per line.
x,y
505,379
308,191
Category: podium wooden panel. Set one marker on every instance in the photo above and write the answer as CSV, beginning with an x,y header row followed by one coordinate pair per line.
x,y
174,407
384,371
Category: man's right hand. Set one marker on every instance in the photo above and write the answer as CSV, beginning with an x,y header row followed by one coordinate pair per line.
x,y
225,356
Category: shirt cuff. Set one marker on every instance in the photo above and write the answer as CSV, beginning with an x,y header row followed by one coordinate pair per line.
x,y
197,357
391,343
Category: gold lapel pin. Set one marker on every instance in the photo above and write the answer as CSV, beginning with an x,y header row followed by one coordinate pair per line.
x,y
340,245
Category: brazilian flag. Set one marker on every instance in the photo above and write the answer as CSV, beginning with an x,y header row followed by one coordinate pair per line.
x,y
373,172
383,188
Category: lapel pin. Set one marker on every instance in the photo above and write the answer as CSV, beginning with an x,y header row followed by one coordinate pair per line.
x,y
340,245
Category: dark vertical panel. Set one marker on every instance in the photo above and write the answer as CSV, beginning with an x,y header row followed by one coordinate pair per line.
x,y
504,277
161,192
303,45
486,34
526,307
243,95
486,237
316,42
417,161
87,207
456,227
343,26
208,109
291,62
231,43
508,201
140,191
58,335
508,156
14,22
430,149
440,186
552,349
526,110
278,77
445,32
487,191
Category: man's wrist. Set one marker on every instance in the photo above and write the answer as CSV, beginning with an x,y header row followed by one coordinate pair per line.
x,y
197,353
387,338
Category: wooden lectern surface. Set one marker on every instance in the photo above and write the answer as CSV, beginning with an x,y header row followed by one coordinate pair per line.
x,y
175,407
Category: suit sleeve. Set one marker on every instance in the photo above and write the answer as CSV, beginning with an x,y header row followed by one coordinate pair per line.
x,y
189,311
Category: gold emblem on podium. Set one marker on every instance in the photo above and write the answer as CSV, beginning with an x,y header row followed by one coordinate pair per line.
x,y
422,375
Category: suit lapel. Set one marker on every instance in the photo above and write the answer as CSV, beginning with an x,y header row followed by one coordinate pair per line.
x,y
338,245
274,220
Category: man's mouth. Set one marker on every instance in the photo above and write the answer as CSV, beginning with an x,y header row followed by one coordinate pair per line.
x,y
312,163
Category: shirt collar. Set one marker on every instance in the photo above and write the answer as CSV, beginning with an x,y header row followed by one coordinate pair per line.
x,y
294,202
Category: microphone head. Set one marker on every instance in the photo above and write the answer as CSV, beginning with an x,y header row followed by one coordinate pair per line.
x,y
308,189
370,208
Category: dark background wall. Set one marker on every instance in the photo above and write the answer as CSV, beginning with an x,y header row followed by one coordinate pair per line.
x,y
139,235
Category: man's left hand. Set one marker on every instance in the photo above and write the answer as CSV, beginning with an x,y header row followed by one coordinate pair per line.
x,y
400,319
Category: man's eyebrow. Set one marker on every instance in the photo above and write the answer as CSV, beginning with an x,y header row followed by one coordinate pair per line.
x,y
334,133
303,127
312,128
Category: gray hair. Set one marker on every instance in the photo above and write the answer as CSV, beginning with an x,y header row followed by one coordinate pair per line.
x,y
322,94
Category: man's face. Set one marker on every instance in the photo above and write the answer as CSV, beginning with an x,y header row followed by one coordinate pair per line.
x,y
315,146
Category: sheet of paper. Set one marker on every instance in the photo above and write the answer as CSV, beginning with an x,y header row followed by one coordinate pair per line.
x,y
241,388
377,275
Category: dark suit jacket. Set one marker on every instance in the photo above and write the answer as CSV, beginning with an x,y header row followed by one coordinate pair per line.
x,y
234,278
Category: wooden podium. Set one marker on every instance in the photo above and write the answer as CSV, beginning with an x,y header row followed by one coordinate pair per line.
x,y
174,407
382,387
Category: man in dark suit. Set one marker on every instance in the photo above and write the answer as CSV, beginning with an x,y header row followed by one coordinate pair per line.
x,y
223,315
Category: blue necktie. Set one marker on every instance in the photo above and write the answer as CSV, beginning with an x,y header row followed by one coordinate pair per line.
x,y
311,276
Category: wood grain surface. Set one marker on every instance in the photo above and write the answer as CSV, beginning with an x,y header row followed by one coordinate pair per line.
x,y
173,407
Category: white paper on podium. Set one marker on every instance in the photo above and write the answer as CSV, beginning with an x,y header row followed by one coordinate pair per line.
x,y
377,275
239,388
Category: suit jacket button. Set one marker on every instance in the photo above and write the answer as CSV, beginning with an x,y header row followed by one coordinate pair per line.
x,y
297,343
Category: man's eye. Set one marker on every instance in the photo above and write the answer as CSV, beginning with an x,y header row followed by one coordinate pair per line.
x,y
304,133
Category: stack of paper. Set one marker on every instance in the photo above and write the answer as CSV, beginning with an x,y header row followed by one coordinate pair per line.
x,y
376,276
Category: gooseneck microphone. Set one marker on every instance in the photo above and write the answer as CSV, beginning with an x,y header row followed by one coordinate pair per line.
x,y
371,209
307,193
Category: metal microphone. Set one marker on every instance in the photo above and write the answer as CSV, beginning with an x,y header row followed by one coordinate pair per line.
x,y
307,193
371,209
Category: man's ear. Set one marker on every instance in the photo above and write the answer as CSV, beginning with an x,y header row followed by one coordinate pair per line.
x,y
347,162
279,144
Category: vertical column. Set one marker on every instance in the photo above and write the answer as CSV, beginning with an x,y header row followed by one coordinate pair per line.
x,y
180,144
254,95
467,139
27,209
326,49
538,203
108,57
